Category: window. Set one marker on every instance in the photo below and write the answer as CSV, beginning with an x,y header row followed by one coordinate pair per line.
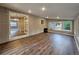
x,y
60,25
13,27
67,25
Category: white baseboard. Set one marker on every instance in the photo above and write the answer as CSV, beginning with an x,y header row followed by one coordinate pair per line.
x,y
77,43
62,33
18,37
35,33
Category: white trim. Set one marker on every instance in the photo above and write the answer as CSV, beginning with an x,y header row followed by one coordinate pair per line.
x,y
68,34
35,33
17,37
62,33
76,40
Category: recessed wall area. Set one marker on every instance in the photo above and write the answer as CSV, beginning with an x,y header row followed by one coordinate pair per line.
x,y
18,24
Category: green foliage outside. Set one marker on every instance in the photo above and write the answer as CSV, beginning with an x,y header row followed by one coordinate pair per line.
x,y
67,25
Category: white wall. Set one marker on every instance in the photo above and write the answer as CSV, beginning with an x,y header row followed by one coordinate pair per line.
x,y
35,25
76,26
4,25
76,31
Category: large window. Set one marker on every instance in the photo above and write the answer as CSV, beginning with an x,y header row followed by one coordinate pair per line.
x,y
13,27
60,25
67,25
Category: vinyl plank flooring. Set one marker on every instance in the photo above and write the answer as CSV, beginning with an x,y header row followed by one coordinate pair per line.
x,y
41,44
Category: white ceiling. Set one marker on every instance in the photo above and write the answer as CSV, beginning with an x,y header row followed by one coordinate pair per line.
x,y
65,10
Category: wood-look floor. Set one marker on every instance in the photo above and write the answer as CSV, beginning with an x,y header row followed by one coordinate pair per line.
x,y
41,44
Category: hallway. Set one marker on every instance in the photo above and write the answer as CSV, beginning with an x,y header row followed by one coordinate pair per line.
x,y
41,44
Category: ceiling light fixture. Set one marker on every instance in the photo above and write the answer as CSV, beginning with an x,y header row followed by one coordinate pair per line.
x,y
29,11
43,8
46,17
58,17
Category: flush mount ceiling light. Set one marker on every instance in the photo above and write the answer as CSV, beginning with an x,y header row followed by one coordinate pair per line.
x,y
43,8
29,11
46,17
58,17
